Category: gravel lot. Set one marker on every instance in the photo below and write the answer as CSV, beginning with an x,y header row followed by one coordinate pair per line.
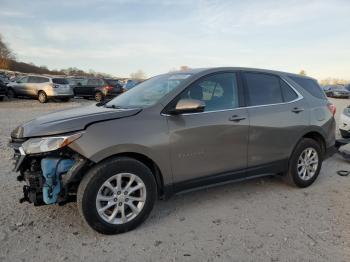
x,y
257,220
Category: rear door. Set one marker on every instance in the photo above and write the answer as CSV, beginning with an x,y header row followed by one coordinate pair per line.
x,y
29,88
41,83
211,144
278,115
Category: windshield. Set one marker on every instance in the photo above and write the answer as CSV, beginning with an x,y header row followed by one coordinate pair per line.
x,y
148,92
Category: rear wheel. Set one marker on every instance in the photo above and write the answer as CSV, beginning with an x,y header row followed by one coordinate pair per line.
x,y
117,195
42,97
305,163
1,98
99,96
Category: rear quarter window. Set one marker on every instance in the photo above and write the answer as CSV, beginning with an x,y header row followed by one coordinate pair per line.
x,y
60,81
310,85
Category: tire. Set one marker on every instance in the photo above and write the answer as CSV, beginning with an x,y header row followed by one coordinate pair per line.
x,y
11,94
99,97
294,177
1,98
42,97
93,185
65,99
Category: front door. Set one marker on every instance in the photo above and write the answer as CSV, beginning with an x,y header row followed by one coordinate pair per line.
x,y
212,143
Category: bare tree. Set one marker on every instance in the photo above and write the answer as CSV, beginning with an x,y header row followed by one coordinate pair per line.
x,y
184,68
5,54
139,74
302,72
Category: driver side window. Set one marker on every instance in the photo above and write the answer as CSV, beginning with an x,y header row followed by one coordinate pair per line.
x,y
218,91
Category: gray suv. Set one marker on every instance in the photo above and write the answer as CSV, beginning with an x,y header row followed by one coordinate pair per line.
x,y
172,133
41,87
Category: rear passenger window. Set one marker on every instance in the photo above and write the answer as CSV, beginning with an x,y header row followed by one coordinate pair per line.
x,y
263,89
287,92
42,80
32,79
310,85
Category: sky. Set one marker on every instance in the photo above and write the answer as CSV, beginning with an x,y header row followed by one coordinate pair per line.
x,y
122,36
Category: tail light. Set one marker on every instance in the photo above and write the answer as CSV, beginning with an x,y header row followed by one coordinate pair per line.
x,y
332,108
109,88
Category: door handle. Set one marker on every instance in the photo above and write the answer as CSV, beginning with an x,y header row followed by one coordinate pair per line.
x,y
236,118
297,110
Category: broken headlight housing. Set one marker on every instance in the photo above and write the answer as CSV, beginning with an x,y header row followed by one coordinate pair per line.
x,y
47,144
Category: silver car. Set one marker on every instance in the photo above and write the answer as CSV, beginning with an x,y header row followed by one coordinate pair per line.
x,y
41,87
172,133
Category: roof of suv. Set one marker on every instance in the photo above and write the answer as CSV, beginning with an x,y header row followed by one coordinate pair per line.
x,y
199,70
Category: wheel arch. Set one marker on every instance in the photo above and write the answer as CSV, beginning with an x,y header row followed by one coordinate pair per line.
x,y
315,135
151,164
318,137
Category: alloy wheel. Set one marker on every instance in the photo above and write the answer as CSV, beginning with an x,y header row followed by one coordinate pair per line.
x,y
121,198
307,164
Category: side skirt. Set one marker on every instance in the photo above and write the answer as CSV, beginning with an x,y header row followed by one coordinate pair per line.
x,y
225,178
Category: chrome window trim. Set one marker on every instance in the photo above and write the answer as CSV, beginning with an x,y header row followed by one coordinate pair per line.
x,y
300,97
283,103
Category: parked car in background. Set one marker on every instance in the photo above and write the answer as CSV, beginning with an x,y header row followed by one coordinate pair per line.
x,y
4,79
130,84
97,88
117,87
336,91
3,90
172,133
41,87
344,126
347,87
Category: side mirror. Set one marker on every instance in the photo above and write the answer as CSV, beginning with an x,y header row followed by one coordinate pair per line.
x,y
184,106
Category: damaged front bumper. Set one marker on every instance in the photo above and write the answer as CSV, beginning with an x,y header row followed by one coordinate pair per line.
x,y
50,177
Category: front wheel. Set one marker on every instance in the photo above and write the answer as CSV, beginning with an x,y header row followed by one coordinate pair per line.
x,y
117,195
305,163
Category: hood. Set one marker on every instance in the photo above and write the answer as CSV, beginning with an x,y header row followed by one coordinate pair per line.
x,y
69,120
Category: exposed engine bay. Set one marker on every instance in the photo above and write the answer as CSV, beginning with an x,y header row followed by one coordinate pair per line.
x,y
50,177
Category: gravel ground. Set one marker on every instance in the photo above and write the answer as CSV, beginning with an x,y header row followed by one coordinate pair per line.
x,y
256,220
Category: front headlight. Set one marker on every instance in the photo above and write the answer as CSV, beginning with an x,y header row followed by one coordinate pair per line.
x,y
47,144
